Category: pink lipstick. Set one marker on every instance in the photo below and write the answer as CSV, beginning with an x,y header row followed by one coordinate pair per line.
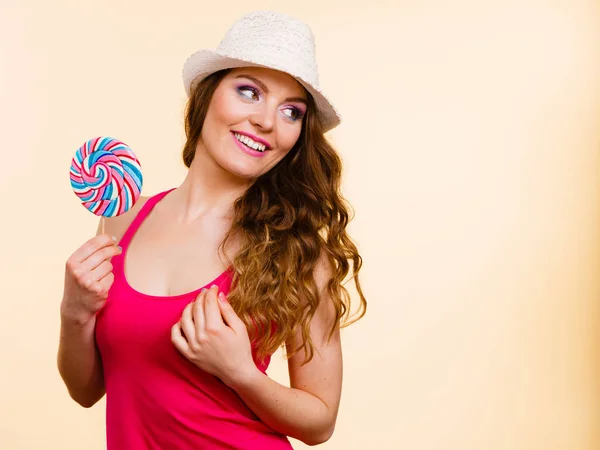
x,y
254,138
247,149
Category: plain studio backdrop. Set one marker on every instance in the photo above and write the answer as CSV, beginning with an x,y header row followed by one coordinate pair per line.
x,y
471,143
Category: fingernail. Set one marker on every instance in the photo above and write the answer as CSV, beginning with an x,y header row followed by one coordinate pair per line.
x,y
114,238
203,289
214,286
222,297
119,247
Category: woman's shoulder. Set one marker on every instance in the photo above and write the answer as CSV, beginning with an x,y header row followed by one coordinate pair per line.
x,y
116,226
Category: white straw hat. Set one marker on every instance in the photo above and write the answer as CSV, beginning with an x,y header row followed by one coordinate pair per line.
x,y
266,39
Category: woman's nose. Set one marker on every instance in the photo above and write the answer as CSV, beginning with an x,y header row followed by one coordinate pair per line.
x,y
264,118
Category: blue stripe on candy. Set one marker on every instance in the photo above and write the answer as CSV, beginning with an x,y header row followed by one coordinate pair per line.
x,y
109,212
128,199
107,195
134,171
92,206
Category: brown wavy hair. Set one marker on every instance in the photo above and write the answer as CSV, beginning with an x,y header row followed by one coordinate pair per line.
x,y
289,218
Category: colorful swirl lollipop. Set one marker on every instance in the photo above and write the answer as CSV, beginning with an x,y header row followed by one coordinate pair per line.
x,y
106,176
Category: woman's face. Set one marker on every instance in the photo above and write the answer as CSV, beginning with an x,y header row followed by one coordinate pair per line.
x,y
253,120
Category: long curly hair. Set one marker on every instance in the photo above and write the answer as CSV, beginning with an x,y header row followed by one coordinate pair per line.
x,y
289,218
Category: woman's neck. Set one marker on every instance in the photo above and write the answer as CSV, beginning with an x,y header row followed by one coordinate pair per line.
x,y
208,189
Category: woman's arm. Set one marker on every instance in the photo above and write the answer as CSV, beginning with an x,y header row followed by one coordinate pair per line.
x,y
79,362
78,359
308,409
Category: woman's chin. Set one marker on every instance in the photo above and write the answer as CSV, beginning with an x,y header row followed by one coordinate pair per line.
x,y
243,172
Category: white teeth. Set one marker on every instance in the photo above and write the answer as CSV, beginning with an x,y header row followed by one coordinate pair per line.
x,y
250,143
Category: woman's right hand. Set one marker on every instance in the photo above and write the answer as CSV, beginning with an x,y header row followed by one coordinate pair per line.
x,y
88,278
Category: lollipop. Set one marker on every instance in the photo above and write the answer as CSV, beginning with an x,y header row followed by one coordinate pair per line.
x,y
106,176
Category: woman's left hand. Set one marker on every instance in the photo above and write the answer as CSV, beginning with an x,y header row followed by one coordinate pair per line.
x,y
212,336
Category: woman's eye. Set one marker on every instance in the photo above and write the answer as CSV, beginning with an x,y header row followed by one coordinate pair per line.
x,y
249,92
293,113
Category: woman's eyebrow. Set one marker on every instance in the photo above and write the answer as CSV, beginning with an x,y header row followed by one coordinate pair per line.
x,y
266,89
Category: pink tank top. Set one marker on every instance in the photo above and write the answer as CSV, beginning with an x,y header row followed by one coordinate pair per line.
x,y
155,398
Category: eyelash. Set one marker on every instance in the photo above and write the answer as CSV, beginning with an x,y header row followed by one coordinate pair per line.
x,y
247,88
297,111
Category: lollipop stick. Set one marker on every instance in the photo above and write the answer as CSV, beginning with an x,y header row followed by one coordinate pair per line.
x,y
101,225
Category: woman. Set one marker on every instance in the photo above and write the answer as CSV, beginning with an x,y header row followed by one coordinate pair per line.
x,y
260,221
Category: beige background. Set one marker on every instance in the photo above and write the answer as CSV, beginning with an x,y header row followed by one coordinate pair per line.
x,y
471,143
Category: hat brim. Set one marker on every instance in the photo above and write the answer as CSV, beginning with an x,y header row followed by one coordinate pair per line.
x,y
205,62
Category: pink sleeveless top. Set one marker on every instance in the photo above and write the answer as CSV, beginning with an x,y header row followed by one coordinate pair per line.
x,y
155,398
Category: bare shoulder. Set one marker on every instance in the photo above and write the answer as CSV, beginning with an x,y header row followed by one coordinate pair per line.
x,y
323,271
116,226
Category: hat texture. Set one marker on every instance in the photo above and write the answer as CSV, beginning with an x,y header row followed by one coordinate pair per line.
x,y
271,40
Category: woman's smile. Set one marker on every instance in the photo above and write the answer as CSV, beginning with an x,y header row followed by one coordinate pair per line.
x,y
248,145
